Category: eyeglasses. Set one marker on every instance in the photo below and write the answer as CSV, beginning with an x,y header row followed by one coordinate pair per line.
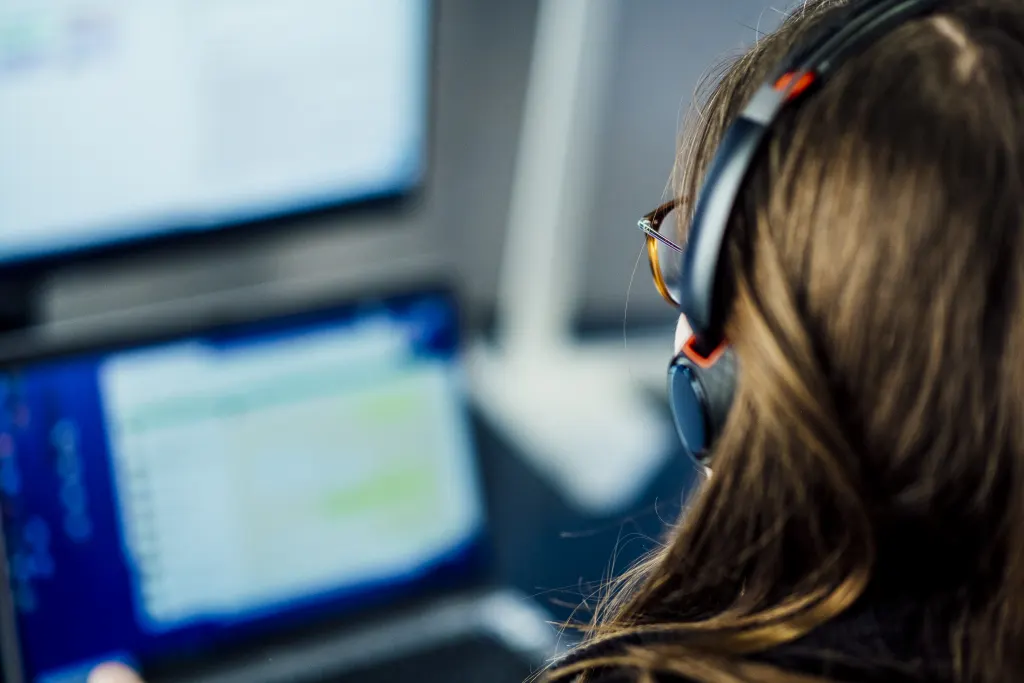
x,y
663,254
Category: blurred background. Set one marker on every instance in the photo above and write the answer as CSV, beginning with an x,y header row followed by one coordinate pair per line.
x,y
196,173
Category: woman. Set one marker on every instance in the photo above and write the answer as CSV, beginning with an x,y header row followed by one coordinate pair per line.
x,y
865,518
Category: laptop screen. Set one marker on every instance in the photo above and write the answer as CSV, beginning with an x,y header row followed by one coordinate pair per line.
x,y
175,497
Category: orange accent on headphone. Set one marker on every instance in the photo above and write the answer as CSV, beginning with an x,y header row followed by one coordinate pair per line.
x,y
801,85
705,362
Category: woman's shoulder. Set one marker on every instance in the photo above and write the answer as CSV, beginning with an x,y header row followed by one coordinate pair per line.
x,y
892,641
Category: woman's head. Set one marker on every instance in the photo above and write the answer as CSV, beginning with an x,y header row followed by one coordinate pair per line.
x,y
874,445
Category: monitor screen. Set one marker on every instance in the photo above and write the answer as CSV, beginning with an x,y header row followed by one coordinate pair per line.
x,y
123,120
166,500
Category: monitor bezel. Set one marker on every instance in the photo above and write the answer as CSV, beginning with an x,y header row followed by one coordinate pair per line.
x,y
396,202
479,575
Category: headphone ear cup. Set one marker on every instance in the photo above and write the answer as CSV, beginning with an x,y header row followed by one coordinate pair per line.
x,y
700,399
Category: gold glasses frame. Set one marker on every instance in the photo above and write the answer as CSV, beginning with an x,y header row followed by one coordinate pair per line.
x,y
650,225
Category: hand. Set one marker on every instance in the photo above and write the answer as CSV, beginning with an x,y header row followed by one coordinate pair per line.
x,y
113,673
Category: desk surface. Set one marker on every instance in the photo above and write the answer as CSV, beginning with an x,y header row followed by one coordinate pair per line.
x,y
554,553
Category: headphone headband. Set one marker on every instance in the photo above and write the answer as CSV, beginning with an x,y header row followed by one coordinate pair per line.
x,y
863,21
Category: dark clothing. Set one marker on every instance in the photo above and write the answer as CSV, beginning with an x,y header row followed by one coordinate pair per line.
x,y
891,642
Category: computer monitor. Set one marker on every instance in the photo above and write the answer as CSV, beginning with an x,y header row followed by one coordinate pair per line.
x,y
123,122
191,495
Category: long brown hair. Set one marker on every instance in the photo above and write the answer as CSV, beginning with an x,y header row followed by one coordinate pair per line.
x,y
874,446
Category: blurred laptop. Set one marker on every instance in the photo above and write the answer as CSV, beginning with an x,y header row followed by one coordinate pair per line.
x,y
295,498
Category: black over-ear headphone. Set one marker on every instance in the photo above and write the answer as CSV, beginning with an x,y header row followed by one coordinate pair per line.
x,y
702,375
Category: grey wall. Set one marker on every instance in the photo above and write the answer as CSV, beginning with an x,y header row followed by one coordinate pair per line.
x,y
660,49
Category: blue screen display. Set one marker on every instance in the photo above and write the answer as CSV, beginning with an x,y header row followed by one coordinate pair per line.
x,y
164,500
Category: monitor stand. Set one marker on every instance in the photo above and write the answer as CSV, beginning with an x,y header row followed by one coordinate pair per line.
x,y
20,303
574,411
